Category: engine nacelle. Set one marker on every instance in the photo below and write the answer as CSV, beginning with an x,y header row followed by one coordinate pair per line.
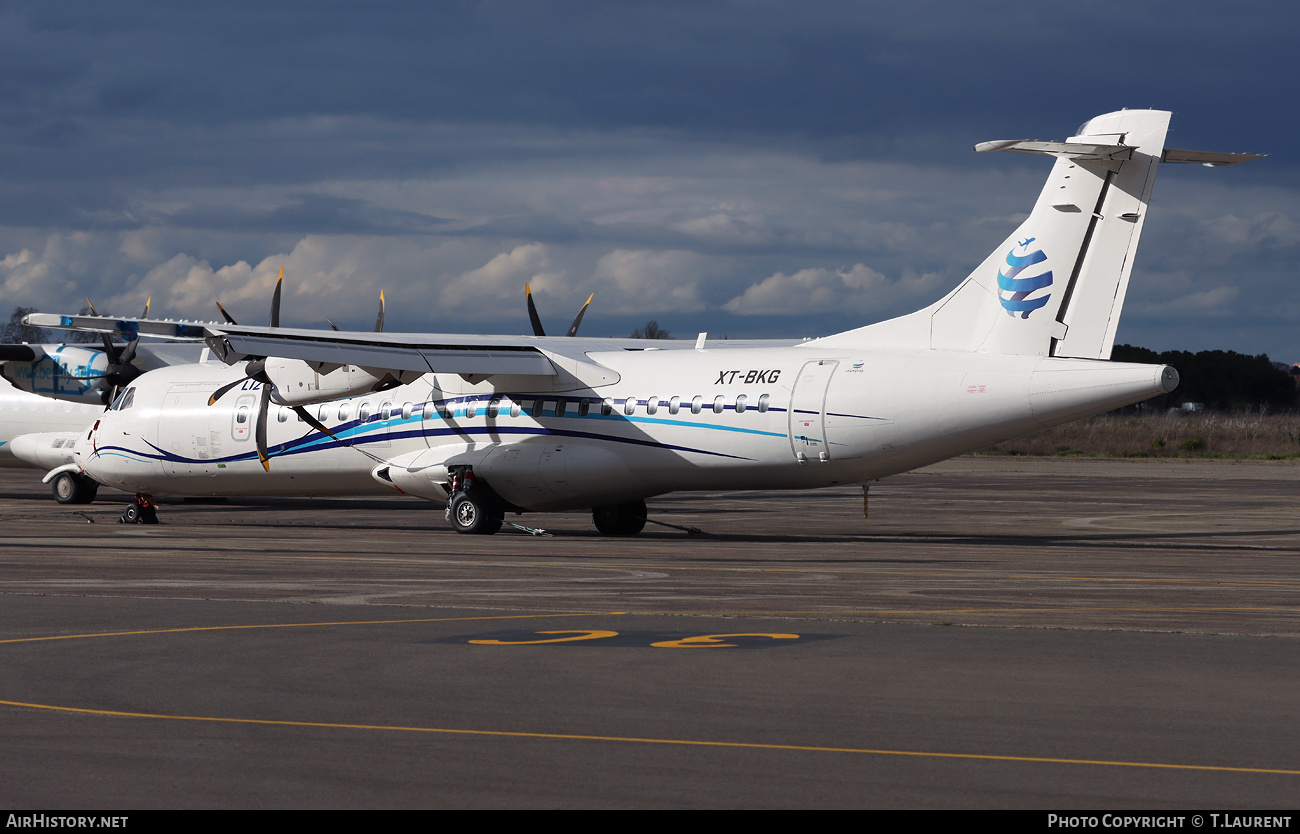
x,y
295,382
62,372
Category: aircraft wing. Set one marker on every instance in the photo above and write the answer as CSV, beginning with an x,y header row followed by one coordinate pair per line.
x,y
425,353
411,352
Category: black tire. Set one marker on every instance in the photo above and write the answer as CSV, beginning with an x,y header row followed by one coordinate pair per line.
x,y
475,513
132,514
71,488
620,519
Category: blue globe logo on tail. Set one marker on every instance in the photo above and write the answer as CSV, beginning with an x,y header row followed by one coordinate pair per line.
x,y
1013,291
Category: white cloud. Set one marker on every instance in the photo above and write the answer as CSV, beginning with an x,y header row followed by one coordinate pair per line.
x,y
480,291
855,289
639,280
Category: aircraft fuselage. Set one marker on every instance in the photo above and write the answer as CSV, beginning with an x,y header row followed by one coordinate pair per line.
x,y
655,421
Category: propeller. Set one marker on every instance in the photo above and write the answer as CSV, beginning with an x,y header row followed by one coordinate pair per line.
x,y
121,371
537,321
256,371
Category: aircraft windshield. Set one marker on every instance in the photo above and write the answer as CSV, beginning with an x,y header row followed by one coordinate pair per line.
x,y
124,400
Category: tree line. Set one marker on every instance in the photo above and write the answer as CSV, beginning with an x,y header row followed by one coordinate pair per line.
x,y
1223,380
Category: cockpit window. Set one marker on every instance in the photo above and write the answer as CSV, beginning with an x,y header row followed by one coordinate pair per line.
x,y
124,400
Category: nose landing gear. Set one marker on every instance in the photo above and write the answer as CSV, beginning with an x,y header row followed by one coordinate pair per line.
x,y
140,511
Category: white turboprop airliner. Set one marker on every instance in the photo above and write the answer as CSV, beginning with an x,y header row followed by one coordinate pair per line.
x,y
498,424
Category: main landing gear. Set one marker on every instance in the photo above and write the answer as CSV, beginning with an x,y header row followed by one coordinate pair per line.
x,y
473,508
140,511
626,519
73,488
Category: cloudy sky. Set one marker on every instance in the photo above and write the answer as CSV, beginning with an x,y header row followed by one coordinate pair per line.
x,y
756,169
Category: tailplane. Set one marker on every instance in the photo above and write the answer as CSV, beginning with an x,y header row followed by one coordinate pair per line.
x,y
1056,286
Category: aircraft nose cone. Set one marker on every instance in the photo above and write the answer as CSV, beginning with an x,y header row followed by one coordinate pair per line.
x,y
43,450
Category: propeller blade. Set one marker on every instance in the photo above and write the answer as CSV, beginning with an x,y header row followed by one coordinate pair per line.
x,y
147,302
275,300
263,410
532,312
332,324
129,353
93,311
114,355
225,315
379,322
577,321
223,390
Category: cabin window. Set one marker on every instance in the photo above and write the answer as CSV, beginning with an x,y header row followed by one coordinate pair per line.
x,y
674,405
407,408
471,410
363,414
514,408
719,404
652,405
741,402
427,413
584,406
629,405
606,407
343,412
763,402
697,403
494,406
282,415
560,406
386,411
241,416
322,415
536,410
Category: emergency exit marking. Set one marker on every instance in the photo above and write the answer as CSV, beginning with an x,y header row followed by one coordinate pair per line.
x,y
633,639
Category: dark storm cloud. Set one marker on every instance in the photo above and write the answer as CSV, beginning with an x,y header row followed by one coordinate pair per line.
x,y
879,79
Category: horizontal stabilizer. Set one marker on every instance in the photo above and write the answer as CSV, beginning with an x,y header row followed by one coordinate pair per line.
x,y
1068,150
1213,160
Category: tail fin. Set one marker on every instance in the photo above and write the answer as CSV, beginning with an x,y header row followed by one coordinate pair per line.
x,y
1056,286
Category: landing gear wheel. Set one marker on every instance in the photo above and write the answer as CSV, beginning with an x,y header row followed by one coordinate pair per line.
x,y
140,511
475,512
620,519
71,488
